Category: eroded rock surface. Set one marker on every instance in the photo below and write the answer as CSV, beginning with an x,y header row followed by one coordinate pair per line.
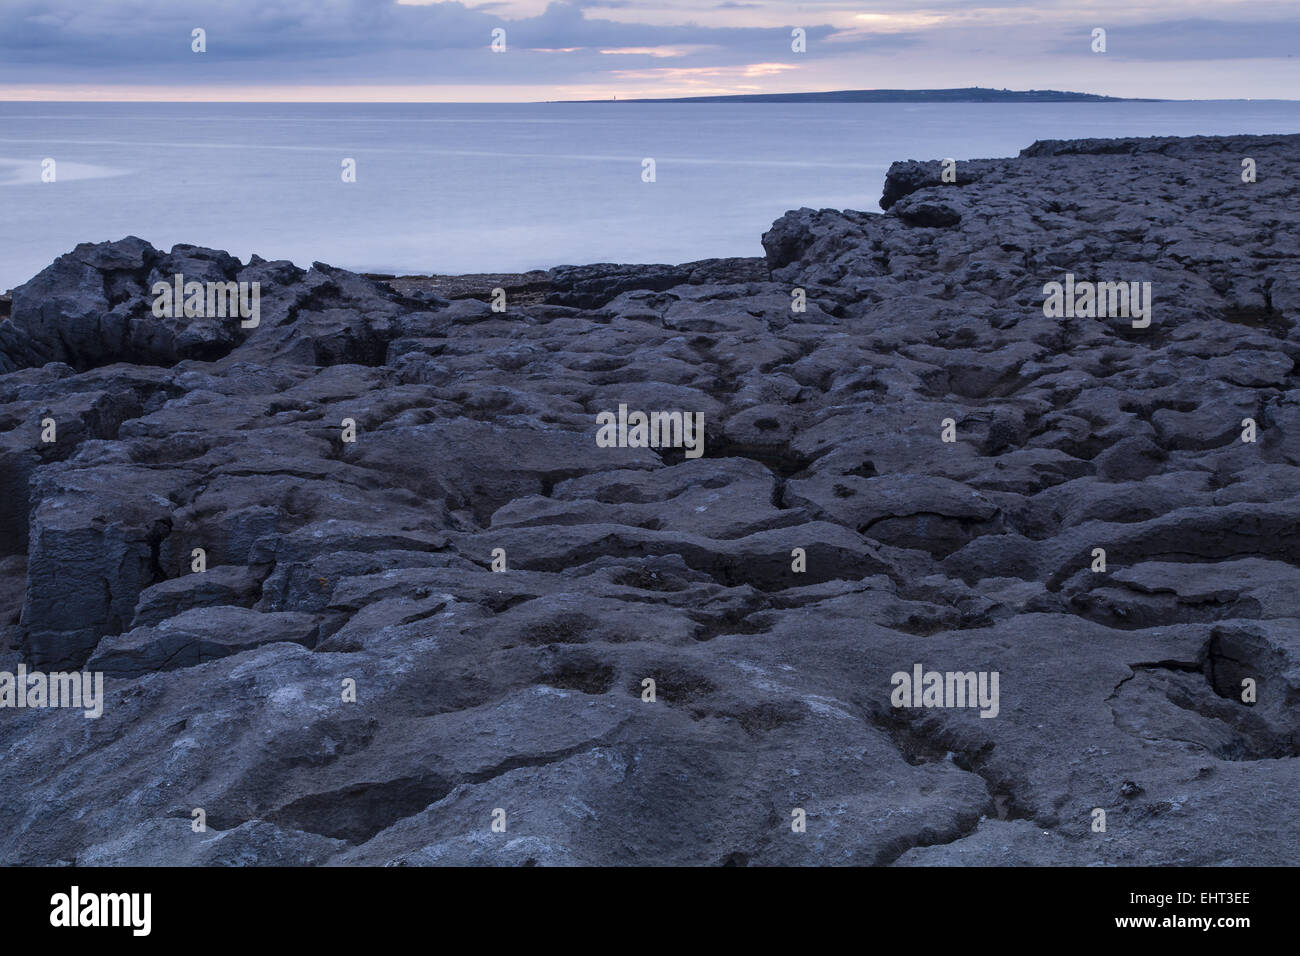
x,y
370,561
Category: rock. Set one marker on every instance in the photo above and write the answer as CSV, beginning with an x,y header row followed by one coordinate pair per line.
x,y
928,214
593,286
429,593
196,636
221,585
590,287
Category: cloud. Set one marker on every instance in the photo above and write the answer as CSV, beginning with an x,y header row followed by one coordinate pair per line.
x,y
673,73
345,41
1194,40
658,51
51,44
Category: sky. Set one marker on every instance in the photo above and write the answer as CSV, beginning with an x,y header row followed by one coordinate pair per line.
x,y
423,50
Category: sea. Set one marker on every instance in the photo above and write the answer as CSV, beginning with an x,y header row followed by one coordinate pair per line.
x,y
459,188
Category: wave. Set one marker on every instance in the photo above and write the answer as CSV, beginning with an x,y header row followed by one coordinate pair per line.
x,y
22,172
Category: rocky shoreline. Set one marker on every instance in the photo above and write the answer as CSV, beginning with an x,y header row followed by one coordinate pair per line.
x,y
364,583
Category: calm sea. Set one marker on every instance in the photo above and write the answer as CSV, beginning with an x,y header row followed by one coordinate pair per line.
x,y
479,188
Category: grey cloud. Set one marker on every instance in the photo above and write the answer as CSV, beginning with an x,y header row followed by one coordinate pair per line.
x,y
1192,39
260,41
346,42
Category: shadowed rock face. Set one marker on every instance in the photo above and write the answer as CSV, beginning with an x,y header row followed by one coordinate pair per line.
x,y
330,562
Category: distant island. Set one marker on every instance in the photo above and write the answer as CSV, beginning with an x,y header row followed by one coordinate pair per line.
x,y
970,94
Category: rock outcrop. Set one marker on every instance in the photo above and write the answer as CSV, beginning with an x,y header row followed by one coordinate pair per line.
x,y
311,638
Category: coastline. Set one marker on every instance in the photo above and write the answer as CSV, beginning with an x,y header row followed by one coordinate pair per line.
x,y
907,464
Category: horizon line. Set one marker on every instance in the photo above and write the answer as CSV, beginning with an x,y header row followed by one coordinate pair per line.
x,y
693,99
